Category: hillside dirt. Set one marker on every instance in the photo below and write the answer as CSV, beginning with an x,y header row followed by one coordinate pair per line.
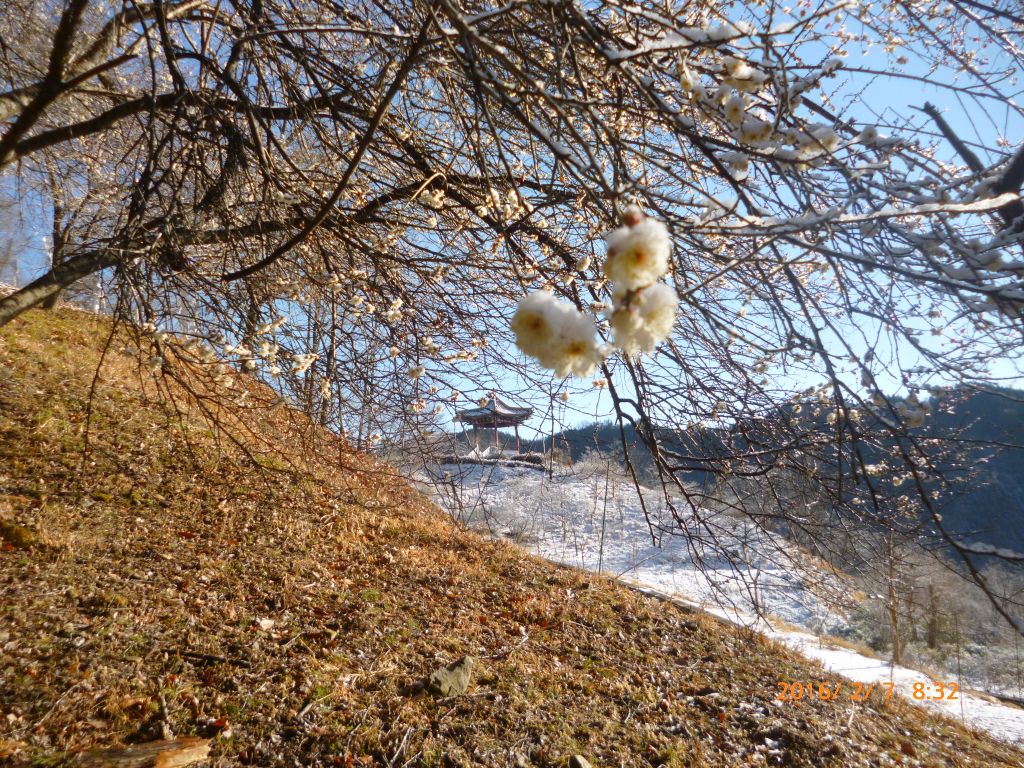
x,y
260,584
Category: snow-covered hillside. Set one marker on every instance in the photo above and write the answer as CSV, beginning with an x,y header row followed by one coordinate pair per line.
x,y
594,519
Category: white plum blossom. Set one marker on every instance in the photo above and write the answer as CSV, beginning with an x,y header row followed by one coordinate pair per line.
x,y
816,141
270,327
534,322
738,164
416,371
754,131
301,363
644,310
742,76
267,350
637,254
557,335
646,320
868,136
735,109
912,411
433,198
394,313
687,81
575,350
915,419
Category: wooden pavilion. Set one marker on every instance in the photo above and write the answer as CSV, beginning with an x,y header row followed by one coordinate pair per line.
x,y
494,414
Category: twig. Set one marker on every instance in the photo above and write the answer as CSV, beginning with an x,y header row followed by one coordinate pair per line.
x,y
356,727
196,656
166,733
292,640
505,653
1011,180
52,709
965,152
401,747
310,704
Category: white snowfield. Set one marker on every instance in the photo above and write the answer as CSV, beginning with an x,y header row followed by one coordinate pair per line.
x,y
596,522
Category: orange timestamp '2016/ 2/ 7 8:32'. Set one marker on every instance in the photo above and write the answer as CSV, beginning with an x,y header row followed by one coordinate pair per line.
x,y
825,691
858,692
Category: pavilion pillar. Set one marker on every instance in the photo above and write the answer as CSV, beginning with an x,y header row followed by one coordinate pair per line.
x,y
518,446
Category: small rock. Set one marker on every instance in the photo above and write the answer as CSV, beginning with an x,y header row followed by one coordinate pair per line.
x,y
452,680
578,761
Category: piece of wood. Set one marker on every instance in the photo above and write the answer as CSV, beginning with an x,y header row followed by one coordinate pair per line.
x,y
153,754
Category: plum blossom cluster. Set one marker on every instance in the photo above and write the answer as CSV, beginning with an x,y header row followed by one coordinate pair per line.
x,y
557,334
642,313
912,411
644,309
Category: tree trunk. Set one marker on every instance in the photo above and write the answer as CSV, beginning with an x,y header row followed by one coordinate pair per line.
x,y
892,602
932,631
53,282
57,243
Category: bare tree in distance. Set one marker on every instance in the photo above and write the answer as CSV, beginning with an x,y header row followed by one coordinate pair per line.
x,y
351,199
9,245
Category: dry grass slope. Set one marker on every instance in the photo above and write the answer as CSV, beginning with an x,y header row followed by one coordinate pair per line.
x,y
163,584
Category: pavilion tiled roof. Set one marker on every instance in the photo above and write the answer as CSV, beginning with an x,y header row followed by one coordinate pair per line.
x,y
496,412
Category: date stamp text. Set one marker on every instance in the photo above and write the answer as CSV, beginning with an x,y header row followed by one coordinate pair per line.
x,y
846,690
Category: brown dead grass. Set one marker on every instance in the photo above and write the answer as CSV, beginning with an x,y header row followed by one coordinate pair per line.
x,y
289,611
